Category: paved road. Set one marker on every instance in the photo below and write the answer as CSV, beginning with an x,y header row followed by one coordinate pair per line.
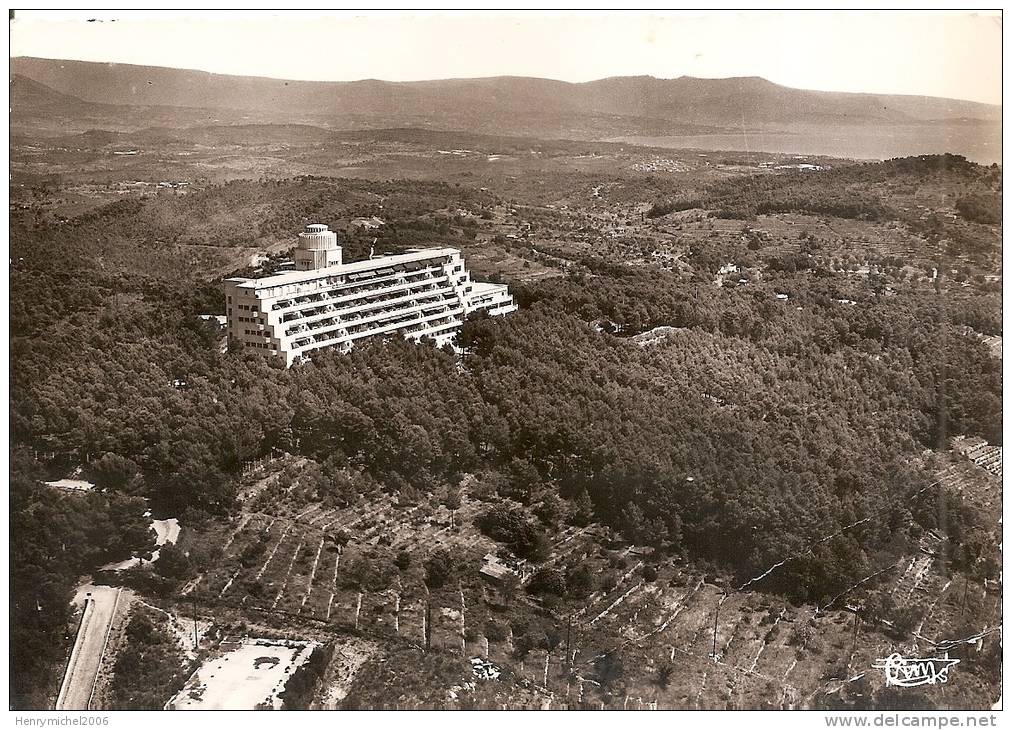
x,y
86,656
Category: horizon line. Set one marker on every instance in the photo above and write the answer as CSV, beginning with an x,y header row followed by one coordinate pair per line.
x,y
500,76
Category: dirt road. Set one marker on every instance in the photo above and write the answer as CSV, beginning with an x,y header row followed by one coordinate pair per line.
x,y
86,656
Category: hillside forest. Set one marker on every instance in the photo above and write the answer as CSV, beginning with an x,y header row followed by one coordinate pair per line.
x,y
760,418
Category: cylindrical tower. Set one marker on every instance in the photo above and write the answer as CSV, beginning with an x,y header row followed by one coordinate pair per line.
x,y
317,249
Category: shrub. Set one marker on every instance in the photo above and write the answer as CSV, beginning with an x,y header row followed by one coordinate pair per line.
x,y
440,569
299,690
496,631
980,207
664,674
150,666
173,563
579,581
548,581
802,636
513,526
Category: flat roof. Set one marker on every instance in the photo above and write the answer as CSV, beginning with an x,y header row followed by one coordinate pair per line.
x,y
481,287
380,262
495,570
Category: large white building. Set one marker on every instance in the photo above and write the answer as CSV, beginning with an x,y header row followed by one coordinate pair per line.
x,y
327,303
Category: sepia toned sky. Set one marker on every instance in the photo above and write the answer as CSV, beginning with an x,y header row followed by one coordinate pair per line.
x,y
936,54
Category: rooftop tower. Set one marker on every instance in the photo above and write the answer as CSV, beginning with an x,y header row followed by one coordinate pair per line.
x,y
317,249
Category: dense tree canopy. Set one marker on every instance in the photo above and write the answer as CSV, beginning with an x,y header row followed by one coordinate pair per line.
x,y
59,536
748,430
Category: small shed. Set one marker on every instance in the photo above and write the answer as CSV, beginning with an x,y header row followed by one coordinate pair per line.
x,y
495,570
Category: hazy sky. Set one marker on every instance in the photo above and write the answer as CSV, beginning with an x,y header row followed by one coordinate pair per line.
x,y
936,54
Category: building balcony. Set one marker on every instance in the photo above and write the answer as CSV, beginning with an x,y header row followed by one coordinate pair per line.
x,y
378,328
366,284
384,306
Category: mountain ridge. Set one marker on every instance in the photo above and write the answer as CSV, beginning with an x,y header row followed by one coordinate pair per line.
x,y
685,99
55,98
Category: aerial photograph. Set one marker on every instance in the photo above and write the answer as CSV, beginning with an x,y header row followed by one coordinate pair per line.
x,y
505,360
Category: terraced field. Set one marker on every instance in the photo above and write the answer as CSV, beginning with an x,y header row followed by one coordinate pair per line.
x,y
716,647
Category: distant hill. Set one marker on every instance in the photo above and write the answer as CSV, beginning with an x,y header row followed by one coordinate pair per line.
x,y
609,108
28,94
39,108
729,102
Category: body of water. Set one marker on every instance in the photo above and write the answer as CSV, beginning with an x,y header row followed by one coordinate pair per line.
x,y
980,143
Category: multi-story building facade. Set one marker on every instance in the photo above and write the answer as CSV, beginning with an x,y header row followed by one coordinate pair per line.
x,y
327,303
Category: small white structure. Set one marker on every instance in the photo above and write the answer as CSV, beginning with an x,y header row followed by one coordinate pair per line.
x,y
496,570
369,223
73,485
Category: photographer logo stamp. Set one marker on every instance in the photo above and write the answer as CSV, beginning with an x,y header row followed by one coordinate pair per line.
x,y
903,671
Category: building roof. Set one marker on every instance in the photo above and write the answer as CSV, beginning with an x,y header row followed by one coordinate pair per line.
x,y
480,287
496,571
493,567
298,277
